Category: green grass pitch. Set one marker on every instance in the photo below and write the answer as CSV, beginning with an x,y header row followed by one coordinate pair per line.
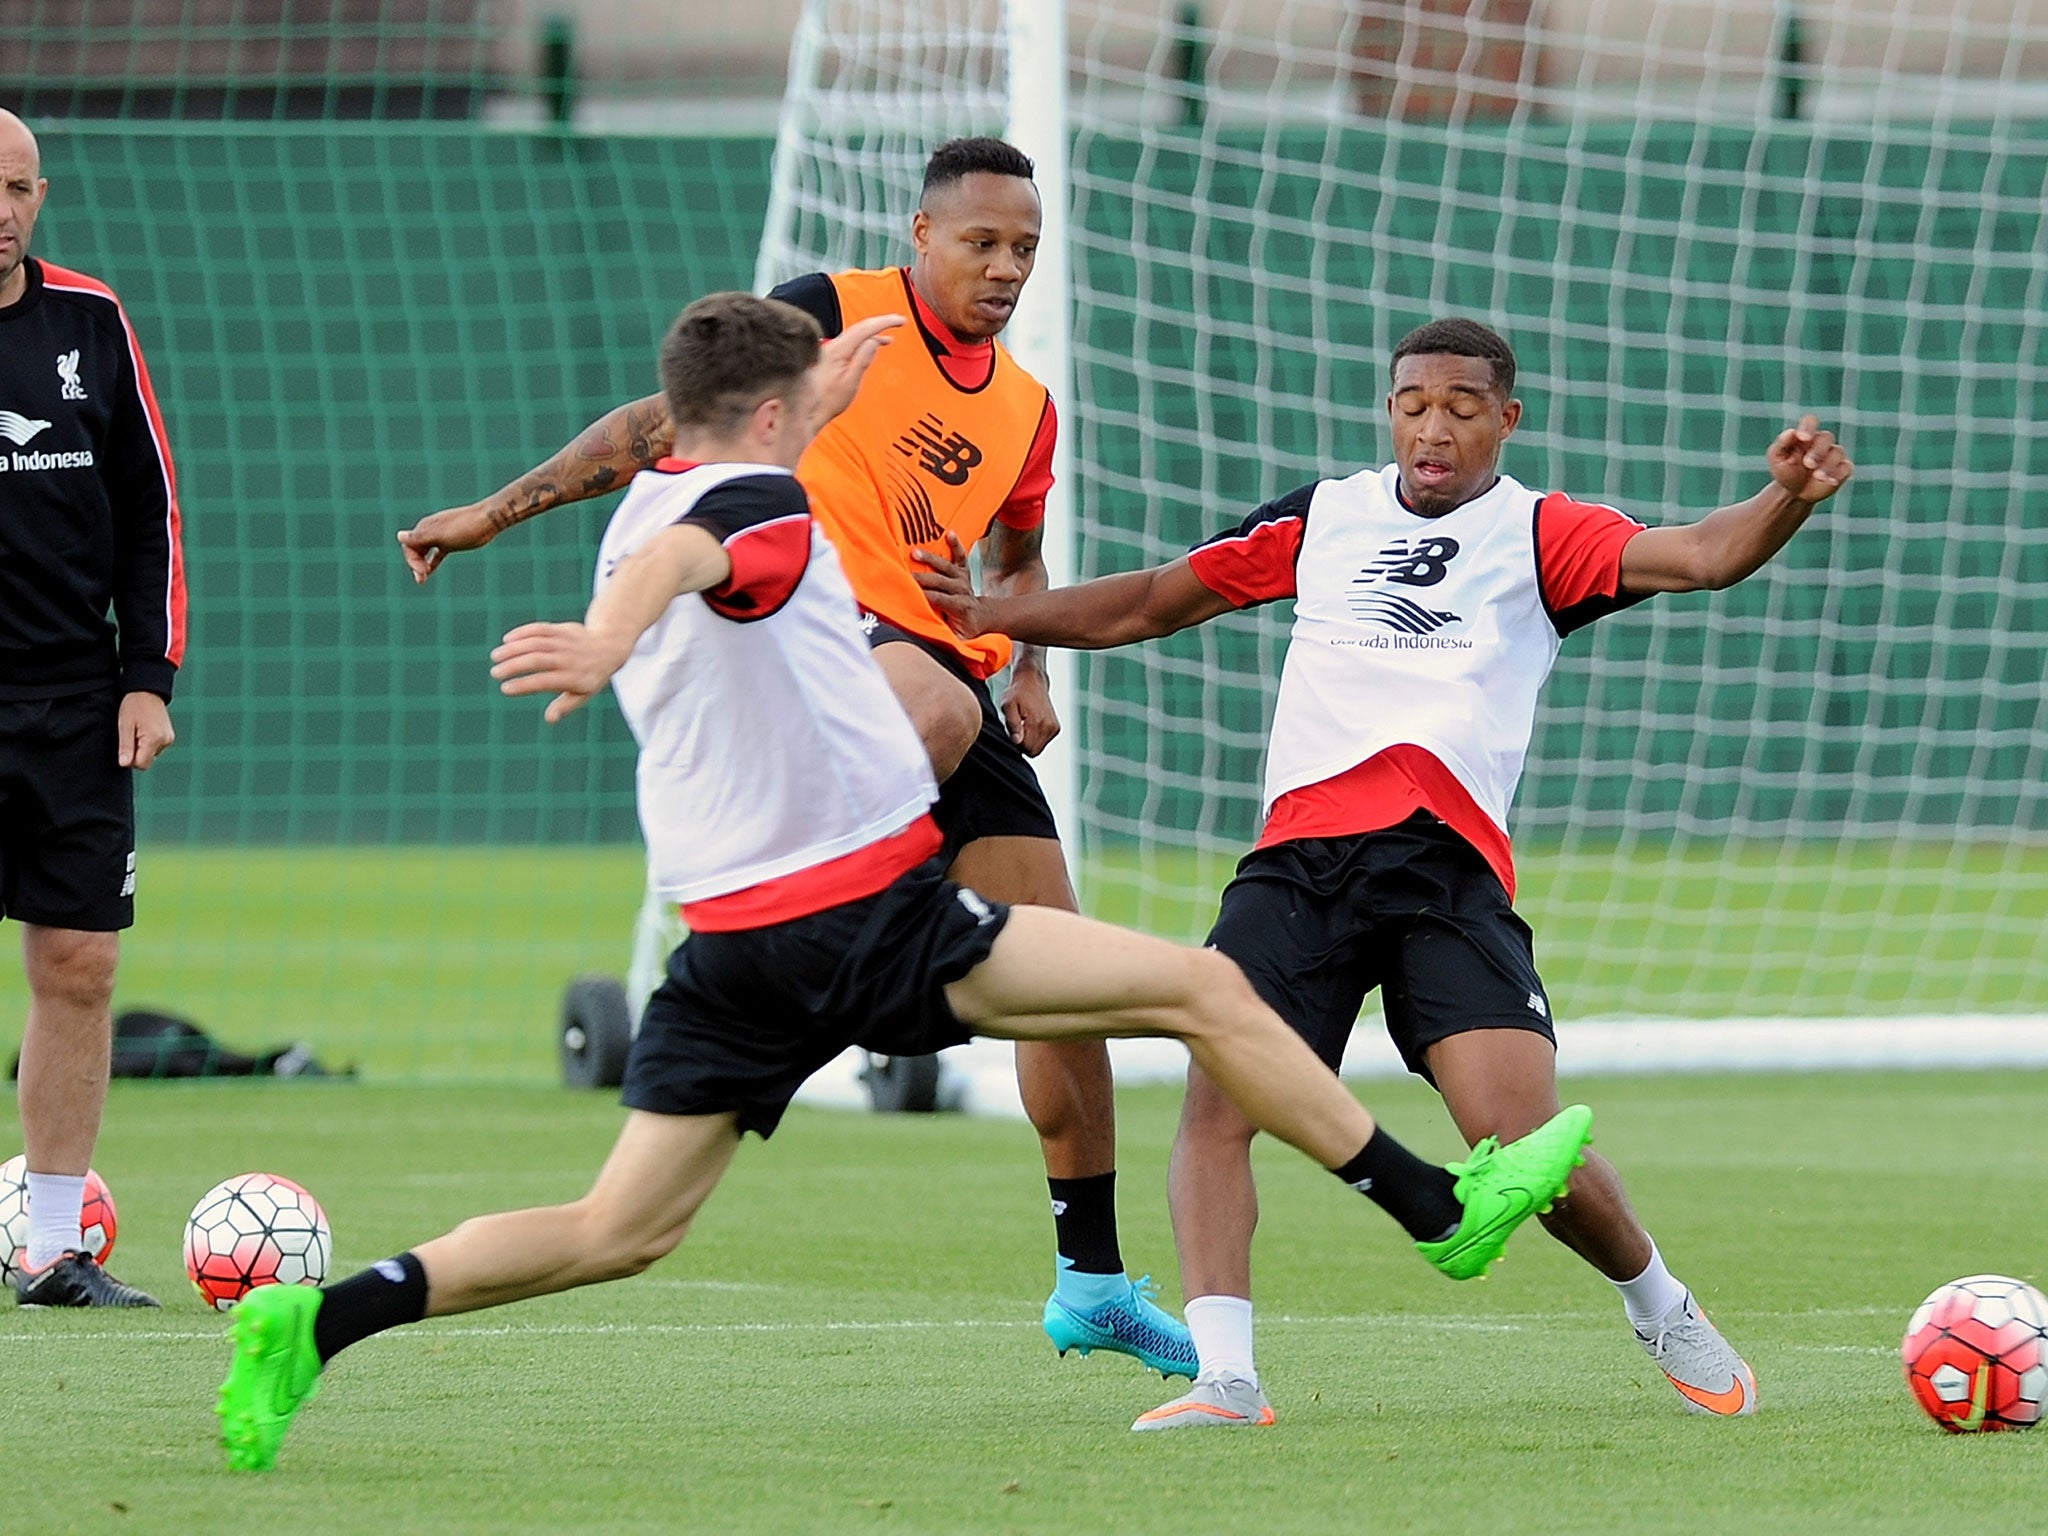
x,y
848,1340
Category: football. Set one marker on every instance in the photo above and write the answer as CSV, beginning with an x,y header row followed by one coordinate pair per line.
x,y
255,1229
1976,1354
96,1219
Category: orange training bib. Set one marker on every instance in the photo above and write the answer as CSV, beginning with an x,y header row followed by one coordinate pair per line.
x,y
913,457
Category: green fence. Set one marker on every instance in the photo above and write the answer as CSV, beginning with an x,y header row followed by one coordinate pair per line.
x,y
352,326
348,328
1673,292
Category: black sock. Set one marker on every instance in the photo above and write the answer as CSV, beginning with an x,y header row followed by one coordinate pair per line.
x,y
1418,1195
1084,1215
386,1295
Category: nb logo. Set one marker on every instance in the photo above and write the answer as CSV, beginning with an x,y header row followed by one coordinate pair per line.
x,y
914,514
1422,564
67,373
946,456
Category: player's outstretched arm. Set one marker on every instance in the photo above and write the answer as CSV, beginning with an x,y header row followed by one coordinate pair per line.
x,y
611,450
573,661
1109,611
603,456
1732,543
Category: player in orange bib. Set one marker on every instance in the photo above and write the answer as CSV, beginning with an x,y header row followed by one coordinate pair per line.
x,y
947,436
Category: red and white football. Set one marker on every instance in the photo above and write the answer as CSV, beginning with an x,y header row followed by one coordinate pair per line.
x,y
1976,1354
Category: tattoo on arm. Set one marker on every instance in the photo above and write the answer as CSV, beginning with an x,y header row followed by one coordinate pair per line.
x,y
591,465
1016,559
529,498
1016,564
652,434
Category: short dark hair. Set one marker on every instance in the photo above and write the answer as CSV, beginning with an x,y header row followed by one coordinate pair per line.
x,y
1460,338
964,157
728,352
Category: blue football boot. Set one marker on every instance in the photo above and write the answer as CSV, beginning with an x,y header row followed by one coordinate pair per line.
x,y
1130,1323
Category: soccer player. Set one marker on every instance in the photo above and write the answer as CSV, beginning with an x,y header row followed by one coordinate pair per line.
x,y
949,435
1431,597
785,800
88,523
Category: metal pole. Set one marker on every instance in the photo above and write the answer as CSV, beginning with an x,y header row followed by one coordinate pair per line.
x,y
1792,66
778,229
1040,338
558,69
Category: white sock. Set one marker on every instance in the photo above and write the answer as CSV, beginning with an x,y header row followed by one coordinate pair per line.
x,y
1651,1294
55,1204
1222,1331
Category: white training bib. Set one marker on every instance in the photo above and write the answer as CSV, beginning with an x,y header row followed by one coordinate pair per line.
x,y
767,744
1410,630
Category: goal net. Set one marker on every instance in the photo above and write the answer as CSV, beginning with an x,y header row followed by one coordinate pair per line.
x,y
381,258
1821,793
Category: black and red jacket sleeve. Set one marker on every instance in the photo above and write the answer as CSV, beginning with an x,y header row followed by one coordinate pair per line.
x,y
1254,562
149,558
89,518
764,522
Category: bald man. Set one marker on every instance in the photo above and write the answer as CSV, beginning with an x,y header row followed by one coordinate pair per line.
x,y
89,523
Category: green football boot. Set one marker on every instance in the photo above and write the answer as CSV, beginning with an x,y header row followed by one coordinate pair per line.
x,y
275,1370
1501,1187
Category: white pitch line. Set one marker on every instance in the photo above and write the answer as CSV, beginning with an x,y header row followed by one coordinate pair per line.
x,y
983,1078
1844,1349
714,1285
1509,1322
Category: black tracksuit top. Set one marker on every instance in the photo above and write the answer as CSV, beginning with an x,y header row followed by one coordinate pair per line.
x,y
88,499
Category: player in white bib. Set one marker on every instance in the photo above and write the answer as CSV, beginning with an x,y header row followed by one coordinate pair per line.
x,y
1431,597
786,802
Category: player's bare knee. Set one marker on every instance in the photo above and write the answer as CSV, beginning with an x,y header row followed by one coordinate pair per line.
x,y
1052,1107
944,710
614,1243
948,724
1219,1000
72,969
1208,1118
651,1249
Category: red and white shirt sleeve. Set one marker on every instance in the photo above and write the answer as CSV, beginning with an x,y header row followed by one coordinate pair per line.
x,y
1024,508
764,522
1254,562
1578,560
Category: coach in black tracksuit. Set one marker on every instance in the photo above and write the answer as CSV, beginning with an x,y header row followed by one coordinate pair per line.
x,y
88,524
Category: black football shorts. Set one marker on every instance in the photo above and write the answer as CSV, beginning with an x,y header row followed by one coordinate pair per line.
x,y
994,792
1413,909
744,1017
67,814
